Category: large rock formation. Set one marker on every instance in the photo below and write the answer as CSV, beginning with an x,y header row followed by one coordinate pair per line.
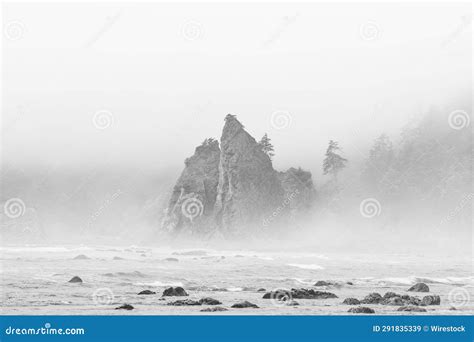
x,y
234,189
249,191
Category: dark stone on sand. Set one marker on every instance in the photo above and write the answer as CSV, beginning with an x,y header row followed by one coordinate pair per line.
x,y
397,300
209,301
351,301
431,300
323,283
301,294
261,290
175,291
390,295
214,309
452,308
244,305
81,257
372,298
361,309
184,302
146,292
172,259
125,307
349,283
75,279
291,303
419,287
411,309
117,258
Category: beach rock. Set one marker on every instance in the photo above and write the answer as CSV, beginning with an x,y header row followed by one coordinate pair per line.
x,y
452,308
411,309
184,302
117,258
125,307
351,301
172,259
261,290
323,283
390,295
372,298
300,294
394,301
75,279
298,185
419,287
214,309
146,292
291,303
244,305
81,257
361,309
191,206
175,291
349,283
209,301
431,300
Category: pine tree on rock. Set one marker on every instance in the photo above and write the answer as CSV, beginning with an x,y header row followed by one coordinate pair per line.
x,y
333,162
267,147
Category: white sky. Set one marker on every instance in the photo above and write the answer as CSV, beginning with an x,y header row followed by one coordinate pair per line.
x,y
167,92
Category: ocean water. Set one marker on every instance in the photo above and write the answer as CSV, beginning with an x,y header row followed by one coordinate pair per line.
x,y
34,280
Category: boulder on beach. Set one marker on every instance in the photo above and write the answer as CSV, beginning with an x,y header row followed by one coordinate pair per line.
x,y
261,290
175,291
411,309
209,301
388,295
351,301
125,307
244,305
184,302
81,257
117,258
147,292
172,259
291,303
431,300
214,309
323,283
75,279
419,287
361,309
372,298
300,294
391,298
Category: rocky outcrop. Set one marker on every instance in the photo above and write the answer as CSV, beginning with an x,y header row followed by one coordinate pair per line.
x,y
249,190
361,309
351,301
191,206
232,189
299,294
174,292
75,279
431,300
244,305
419,287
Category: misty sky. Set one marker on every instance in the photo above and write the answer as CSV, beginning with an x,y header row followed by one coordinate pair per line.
x,y
170,73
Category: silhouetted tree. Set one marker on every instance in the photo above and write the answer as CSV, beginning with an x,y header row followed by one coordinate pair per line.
x,y
333,162
266,145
